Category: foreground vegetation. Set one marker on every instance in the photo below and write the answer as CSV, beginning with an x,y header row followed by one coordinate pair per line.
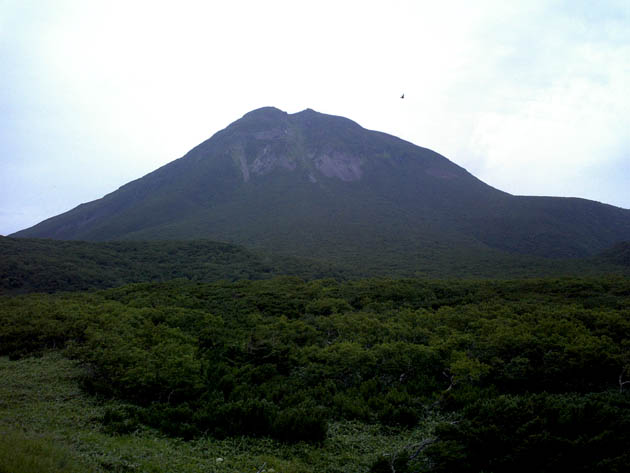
x,y
433,376
49,425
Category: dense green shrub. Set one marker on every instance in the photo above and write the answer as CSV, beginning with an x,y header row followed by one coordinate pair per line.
x,y
398,463
300,424
537,432
285,359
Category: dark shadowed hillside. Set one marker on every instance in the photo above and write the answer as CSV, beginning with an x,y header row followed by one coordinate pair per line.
x,y
38,265
618,254
33,265
321,186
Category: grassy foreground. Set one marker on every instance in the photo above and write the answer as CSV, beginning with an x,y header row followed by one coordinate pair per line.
x,y
48,425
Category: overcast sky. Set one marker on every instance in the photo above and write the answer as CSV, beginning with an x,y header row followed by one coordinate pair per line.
x,y
532,97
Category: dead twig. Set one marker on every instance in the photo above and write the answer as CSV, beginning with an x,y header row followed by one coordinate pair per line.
x,y
421,446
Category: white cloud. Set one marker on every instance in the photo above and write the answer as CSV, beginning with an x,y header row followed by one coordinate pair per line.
x,y
529,96
570,111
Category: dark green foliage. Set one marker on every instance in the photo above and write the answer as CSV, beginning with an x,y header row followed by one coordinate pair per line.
x,y
301,424
618,254
530,371
31,265
397,463
537,432
122,418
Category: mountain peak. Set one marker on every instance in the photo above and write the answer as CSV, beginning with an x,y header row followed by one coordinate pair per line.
x,y
270,117
266,112
314,184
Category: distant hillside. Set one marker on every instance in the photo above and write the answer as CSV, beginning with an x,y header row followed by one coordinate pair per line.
x,y
618,254
31,265
321,186
34,265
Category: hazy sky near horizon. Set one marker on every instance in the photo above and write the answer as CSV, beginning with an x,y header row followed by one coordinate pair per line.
x,y
532,97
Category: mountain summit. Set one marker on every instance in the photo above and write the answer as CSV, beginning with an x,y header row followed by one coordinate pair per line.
x,y
318,185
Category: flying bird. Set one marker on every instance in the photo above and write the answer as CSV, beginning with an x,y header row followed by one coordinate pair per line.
x,y
402,96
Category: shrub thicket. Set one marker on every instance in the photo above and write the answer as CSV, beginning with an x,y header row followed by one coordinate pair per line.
x,y
533,372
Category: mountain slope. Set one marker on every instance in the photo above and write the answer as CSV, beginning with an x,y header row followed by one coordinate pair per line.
x,y
316,185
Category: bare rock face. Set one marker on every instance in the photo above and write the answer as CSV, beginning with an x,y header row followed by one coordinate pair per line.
x,y
264,161
242,163
271,134
278,143
337,165
344,166
269,160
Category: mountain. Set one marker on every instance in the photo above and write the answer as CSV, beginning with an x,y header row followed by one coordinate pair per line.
x,y
316,185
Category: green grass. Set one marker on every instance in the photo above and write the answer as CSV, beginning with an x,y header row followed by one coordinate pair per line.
x,y
22,453
47,424
40,409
